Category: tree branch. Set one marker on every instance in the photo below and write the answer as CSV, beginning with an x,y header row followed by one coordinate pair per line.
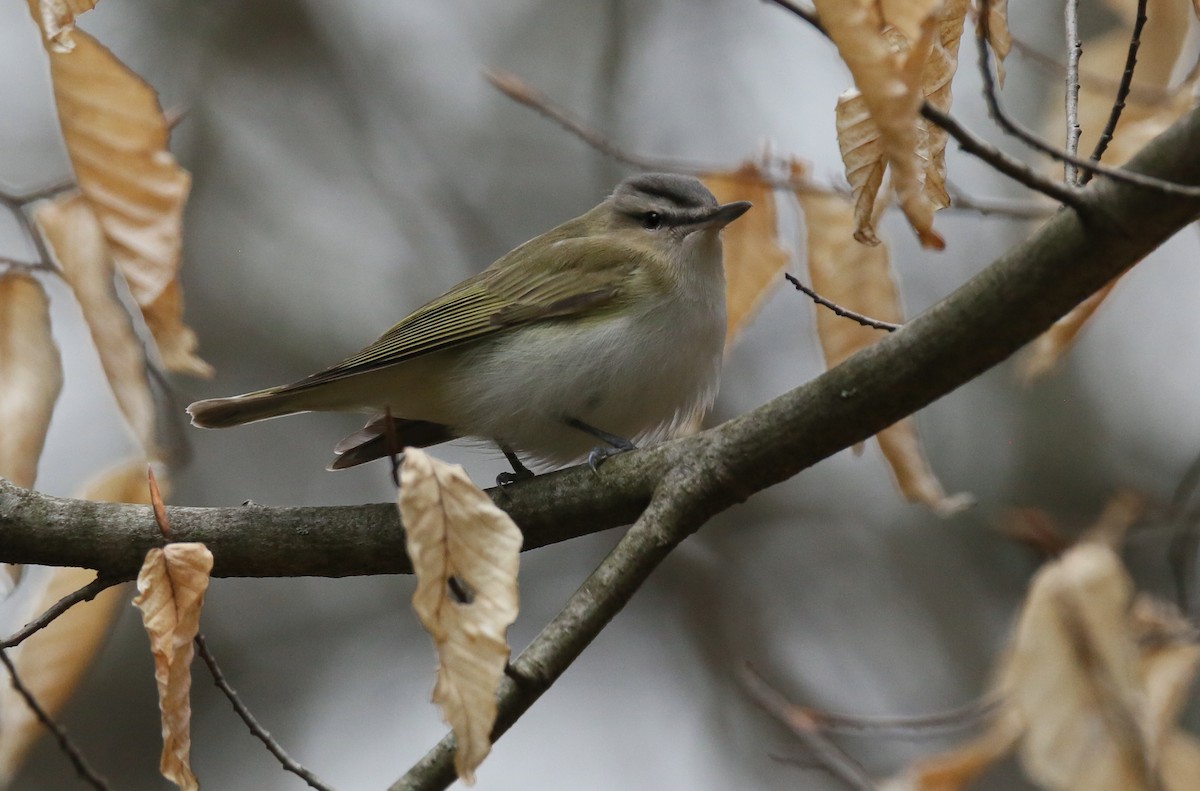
x,y
1074,52
1114,115
682,502
991,316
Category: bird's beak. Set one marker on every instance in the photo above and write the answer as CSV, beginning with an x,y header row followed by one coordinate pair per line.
x,y
723,215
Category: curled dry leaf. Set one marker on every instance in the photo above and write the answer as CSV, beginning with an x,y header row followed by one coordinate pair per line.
x,y
862,156
56,18
465,553
74,236
171,586
935,84
52,661
886,46
1091,689
859,277
116,138
999,37
753,257
30,376
1152,106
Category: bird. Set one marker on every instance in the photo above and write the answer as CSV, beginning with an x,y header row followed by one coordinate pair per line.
x,y
602,333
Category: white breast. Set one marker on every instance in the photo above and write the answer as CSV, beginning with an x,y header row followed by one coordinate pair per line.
x,y
637,376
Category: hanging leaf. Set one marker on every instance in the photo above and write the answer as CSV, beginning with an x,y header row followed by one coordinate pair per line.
x,y
1091,690
465,553
30,376
886,47
171,587
859,277
75,238
116,138
753,257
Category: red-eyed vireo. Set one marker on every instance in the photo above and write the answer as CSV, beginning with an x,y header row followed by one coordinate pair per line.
x,y
609,327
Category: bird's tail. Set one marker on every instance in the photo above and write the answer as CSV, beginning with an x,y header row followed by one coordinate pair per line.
x,y
236,410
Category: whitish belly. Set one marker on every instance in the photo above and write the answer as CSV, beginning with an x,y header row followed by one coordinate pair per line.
x,y
635,377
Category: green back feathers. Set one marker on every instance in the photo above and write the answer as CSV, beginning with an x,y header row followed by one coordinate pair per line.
x,y
555,276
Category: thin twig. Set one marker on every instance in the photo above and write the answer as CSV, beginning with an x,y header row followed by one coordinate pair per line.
x,y
1182,552
865,321
255,728
937,724
85,771
1001,117
525,94
1090,80
19,205
1013,168
86,593
1017,210
808,730
1074,51
521,92
1114,115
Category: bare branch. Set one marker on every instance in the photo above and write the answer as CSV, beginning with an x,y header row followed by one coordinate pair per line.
x,y
1013,168
86,593
808,730
1017,210
1074,51
865,321
1114,116
1006,122
1093,81
987,319
256,729
923,726
679,506
85,771
523,93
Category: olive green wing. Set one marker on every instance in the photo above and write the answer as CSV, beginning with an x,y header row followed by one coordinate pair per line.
x,y
558,279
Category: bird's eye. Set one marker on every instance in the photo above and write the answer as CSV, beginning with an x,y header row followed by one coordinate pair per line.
x,y
651,220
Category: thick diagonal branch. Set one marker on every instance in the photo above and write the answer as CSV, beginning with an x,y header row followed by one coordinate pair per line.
x,y
989,318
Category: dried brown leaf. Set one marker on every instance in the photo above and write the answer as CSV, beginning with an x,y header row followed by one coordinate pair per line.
x,y
30,376
999,37
753,256
465,554
862,157
887,66
74,236
171,586
1099,683
935,83
1091,689
1049,347
1072,676
116,138
52,661
1120,514
56,18
859,277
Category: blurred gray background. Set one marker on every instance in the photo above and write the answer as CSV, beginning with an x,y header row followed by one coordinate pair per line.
x,y
351,163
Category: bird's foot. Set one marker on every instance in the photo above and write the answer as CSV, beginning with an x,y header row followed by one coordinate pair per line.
x,y
520,471
508,478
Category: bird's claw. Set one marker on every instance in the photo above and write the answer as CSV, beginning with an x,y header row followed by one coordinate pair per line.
x,y
509,478
599,455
